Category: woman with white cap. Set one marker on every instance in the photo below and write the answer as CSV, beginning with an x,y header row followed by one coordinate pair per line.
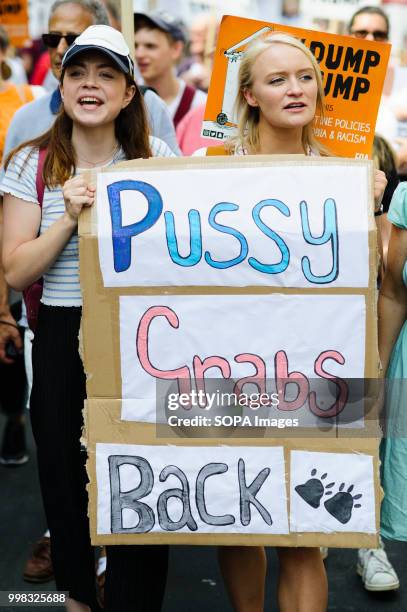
x,y
102,121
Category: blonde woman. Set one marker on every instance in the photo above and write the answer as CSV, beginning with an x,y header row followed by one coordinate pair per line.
x,y
279,92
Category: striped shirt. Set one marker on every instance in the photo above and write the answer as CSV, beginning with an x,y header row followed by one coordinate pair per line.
x,y
61,280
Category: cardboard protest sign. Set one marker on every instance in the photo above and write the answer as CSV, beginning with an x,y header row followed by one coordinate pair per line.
x,y
14,18
166,317
353,75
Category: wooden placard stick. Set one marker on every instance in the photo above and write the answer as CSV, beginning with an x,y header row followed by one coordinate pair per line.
x,y
127,11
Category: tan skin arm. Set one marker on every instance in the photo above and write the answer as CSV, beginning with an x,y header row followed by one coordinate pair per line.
x,y
27,256
379,186
402,155
385,229
8,330
393,296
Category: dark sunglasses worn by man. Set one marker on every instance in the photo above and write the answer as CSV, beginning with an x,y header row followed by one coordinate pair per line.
x,y
378,35
52,39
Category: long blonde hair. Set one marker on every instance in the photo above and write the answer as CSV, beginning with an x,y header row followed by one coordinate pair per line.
x,y
248,116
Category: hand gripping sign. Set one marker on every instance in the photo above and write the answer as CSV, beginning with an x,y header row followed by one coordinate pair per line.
x,y
255,272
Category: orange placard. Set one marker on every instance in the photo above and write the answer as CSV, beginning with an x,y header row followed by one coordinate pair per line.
x,y
14,18
353,75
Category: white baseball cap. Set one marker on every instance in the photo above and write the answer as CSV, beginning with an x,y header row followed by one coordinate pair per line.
x,y
105,39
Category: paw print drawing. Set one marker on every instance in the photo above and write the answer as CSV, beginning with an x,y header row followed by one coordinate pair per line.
x,y
314,489
340,506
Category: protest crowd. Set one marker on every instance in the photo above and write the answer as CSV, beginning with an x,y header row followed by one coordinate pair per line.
x,y
78,99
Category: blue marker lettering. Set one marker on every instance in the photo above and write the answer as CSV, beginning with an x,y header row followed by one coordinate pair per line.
x,y
282,265
195,239
225,229
122,235
330,233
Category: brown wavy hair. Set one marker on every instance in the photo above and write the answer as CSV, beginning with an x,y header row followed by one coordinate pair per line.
x,y
131,129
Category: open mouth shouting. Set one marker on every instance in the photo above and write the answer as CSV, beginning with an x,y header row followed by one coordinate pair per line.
x,y
90,102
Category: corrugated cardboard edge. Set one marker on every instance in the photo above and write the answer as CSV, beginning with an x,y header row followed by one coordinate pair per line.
x,y
102,414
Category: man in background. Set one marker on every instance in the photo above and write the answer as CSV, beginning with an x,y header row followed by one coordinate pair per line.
x,y
68,19
159,44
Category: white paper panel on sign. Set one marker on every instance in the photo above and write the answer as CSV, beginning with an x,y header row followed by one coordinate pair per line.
x,y
332,492
289,226
165,337
189,490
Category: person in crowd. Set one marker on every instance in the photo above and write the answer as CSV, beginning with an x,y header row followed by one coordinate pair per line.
x,y
372,23
196,69
11,96
113,10
102,121
202,47
14,65
18,73
279,92
43,69
68,18
12,377
159,43
392,348
189,131
40,69
13,384
401,158
385,160
29,55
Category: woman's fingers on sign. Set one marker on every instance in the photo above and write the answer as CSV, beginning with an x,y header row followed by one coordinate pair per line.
x,y
380,182
77,193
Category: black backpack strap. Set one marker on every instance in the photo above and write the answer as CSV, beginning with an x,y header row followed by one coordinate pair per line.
x,y
144,88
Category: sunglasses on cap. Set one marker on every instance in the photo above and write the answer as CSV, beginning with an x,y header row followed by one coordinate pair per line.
x,y
52,39
378,35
